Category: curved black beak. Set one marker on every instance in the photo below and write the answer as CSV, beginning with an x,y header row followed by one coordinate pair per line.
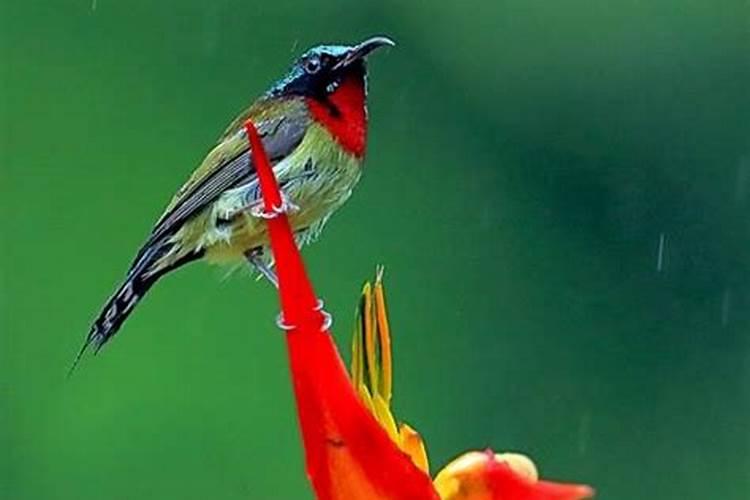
x,y
363,49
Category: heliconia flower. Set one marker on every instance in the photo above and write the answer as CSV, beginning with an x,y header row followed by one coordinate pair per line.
x,y
489,476
474,475
354,448
348,455
372,370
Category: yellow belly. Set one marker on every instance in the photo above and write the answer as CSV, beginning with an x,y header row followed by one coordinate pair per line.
x,y
318,191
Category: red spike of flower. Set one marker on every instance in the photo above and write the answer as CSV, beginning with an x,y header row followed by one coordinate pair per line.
x,y
503,483
348,455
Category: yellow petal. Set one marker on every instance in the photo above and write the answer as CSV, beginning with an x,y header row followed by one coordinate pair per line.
x,y
384,337
369,334
364,395
413,445
521,464
385,417
357,368
457,482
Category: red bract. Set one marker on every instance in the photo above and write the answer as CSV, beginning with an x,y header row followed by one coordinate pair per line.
x,y
487,476
348,455
354,447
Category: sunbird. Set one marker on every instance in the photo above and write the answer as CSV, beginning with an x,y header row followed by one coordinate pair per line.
x,y
313,125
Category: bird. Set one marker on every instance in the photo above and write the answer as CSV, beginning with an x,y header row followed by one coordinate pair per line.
x,y
313,126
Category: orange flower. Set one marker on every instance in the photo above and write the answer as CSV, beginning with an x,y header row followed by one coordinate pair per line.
x,y
508,476
348,455
472,476
354,449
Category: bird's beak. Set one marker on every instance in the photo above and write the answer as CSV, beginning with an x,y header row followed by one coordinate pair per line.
x,y
363,49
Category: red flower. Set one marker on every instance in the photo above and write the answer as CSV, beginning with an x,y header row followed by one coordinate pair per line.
x,y
354,449
348,454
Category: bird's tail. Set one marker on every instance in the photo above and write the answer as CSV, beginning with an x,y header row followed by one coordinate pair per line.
x,y
141,277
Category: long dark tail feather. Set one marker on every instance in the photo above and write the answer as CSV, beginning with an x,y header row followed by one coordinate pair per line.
x,y
140,278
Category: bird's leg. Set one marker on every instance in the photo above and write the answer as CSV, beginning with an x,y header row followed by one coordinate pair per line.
x,y
254,200
255,258
254,204
257,208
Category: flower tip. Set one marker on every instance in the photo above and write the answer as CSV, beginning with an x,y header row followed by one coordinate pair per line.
x,y
520,464
506,476
379,271
412,444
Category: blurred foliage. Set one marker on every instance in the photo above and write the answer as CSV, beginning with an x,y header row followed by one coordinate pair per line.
x,y
527,302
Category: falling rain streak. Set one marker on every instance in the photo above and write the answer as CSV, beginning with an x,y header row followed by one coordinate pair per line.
x,y
660,252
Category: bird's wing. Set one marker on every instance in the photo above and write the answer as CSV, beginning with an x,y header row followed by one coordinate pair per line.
x,y
229,165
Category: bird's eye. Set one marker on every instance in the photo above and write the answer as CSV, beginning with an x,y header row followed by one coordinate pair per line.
x,y
312,65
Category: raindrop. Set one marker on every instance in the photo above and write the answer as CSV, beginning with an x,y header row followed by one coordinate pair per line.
x,y
660,253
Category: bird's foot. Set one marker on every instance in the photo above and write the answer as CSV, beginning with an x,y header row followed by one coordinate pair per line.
x,y
255,258
258,209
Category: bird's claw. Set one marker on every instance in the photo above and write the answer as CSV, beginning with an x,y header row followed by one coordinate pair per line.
x,y
287,207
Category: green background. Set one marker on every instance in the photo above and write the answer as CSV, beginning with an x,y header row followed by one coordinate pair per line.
x,y
525,159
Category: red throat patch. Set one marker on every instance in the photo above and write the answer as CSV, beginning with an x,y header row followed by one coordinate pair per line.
x,y
349,125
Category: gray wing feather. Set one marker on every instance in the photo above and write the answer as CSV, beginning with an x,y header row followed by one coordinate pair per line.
x,y
280,138
232,173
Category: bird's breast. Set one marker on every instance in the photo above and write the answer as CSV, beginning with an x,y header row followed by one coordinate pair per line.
x,y
317,177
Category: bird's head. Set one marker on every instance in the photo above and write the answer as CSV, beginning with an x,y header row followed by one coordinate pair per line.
x,y
333,81
320,71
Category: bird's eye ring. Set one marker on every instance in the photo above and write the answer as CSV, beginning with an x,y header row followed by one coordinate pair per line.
x,y
312,65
